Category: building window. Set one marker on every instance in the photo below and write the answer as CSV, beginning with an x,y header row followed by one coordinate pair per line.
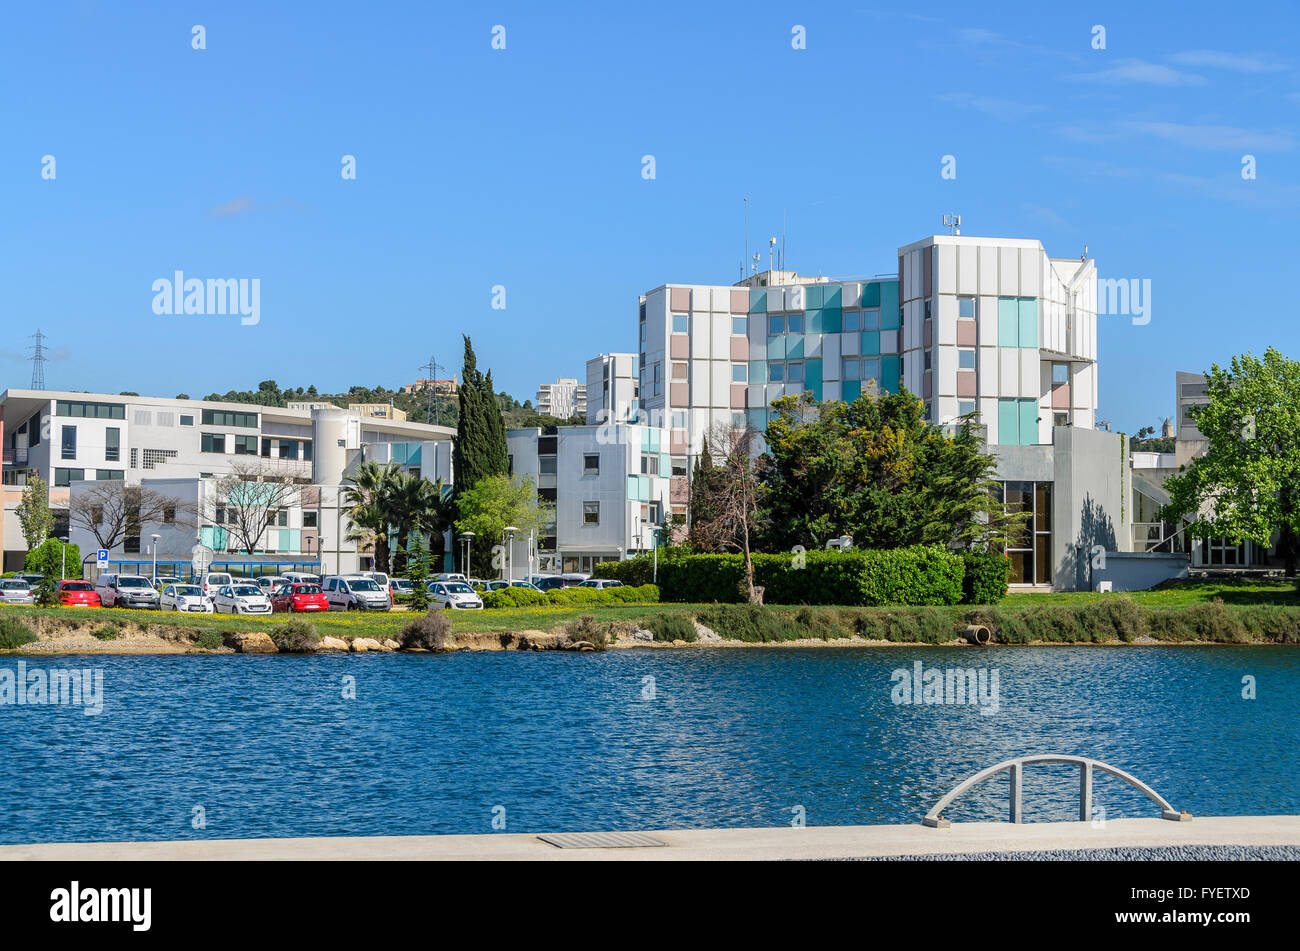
x,y
966,359
213,417
65,477
740,373
680,371
965,407
1017,422
590,513
650,464
109,475
791,323
1029,548
245,445
213,442
112,444
775,372
679,466
852,369
871,369
282,518
739,326
1060,374
1060,419
966,308
871,319
739,421
852,321
89,410
546,465
1018,322
69,449
169,514
658,378
680,419
152,457
591,463
681,324
927,360
187,420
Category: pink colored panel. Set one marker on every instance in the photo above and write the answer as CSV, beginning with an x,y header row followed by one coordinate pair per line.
x,y
679,491
679,394
740,349
966,383
966,336
678,440
927,390
738,392
680,299
1061,396
681,347
739,300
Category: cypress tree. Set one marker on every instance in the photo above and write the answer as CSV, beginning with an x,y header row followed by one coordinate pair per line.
x,y
480,448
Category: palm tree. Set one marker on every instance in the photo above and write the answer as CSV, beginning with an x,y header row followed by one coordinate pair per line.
x,y
368,506
418,506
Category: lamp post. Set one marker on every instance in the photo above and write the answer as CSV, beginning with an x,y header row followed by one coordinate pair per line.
x,y
654,540
154,548
465,563
509,535
63,553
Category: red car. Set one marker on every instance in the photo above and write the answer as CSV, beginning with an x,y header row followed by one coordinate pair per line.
x,y
299,597
80,594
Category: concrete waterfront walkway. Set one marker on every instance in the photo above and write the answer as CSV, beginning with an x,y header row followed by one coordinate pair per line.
x,y
812,842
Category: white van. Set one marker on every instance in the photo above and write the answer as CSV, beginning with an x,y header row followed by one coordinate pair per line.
x,y
126,591
381,579
300,577
356,593
212,581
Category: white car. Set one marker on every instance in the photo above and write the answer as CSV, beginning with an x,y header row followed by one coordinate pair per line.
x,y
454,595
185,597
13,591
212,581
241,599
600,583
356,593
269,583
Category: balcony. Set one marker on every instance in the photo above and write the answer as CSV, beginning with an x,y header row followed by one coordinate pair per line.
x,y
14,457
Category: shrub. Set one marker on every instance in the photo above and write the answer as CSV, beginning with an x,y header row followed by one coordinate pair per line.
x,y
209,640
633,572
752,623
47,558
107,633
984,580
295,636
428,632
47,593
672,627
587,629
14,633
514,598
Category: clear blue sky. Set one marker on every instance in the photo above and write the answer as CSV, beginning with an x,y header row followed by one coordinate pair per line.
x,y
523,168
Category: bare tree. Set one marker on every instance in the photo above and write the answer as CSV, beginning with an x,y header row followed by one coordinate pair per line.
x,y
247,501
729,514
113,510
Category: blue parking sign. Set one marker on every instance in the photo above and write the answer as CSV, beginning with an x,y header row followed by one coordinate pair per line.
x,y
102,554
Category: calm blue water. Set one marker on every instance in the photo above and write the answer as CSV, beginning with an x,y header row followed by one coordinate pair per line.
x,y
268,746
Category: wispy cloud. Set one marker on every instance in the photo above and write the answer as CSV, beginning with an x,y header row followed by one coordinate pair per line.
x,y
236,206
1238,62
1139,71
1005,109
1228,187
1215,136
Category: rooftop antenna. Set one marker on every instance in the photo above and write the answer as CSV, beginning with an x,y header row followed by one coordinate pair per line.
x,y
1084,257
771,249
952,223
782,240
756,260
432,409
38,360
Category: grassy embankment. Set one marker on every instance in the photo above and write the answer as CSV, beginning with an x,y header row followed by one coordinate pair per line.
x,y
1253,612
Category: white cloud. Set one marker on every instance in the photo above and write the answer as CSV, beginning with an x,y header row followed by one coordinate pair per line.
x,y
1138,71
1004,109
1238,62
1215,136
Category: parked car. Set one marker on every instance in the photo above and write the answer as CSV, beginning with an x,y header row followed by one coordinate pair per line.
x,y
525,584
301,577
163,581
241,599
299,598
185,597
33,578
600,583
212,581
489,585
454,595
356,593
551,582
400,586
16,591
79,594
126,591
268,583
381,579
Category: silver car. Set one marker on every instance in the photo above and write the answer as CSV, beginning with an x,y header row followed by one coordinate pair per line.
x,y
453,595
241,599
185,597
13,591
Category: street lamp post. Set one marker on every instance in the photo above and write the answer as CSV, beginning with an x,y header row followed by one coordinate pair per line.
x,y
155,536
509,536
654,540
63,552
465,563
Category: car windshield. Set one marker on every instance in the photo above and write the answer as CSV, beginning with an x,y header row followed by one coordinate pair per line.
x,y
459,589
310,579
10,585
380,579
246,591
189,590
363,584
78,586
218,579
307,589
132,583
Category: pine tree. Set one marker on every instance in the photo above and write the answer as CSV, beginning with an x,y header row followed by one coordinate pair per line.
x,y
480,448
417,572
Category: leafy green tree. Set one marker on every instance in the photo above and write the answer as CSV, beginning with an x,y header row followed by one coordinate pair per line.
x,y
51,558
480,446
1245,486
495,502
33,511
701,505
876,470
414,505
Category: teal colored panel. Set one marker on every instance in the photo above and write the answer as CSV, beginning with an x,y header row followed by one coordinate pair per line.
x,y
812,377
1028,422
643,488
776,347
889,373
889,305
758,300
645,439
757,419
1008,423
850,390
654,440
665,464
632,488
812,322
870,343
813,296
793,347
1008,322
1028,312
871,294
205,536
832,318
757,371
834,296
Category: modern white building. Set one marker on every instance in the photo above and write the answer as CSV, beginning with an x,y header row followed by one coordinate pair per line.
x,y
185,446
613,388
564,398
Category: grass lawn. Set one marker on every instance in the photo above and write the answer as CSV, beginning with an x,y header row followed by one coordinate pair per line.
x,y
1232,593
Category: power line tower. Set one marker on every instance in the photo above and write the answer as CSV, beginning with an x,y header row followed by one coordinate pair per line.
x,y
432,409
38,360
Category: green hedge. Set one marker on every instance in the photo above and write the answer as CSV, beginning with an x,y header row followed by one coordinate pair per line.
x,y
917,575
527,597
48,559
985,578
